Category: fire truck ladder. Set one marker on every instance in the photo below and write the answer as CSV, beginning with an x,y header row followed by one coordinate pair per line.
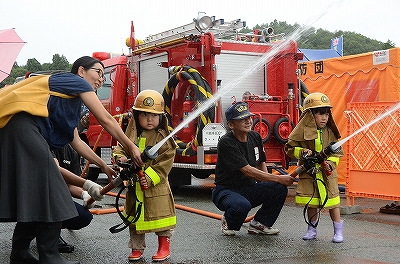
x,y
219,28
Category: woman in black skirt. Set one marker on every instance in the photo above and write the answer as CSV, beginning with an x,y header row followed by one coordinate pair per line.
x,y
33,189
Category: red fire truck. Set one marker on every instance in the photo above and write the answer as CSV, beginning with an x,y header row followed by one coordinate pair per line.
x,y
192,64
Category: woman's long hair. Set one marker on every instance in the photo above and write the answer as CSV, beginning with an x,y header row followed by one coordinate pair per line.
x,y
86,62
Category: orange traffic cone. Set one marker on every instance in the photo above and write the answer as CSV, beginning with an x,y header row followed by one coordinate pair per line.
x,y
163,249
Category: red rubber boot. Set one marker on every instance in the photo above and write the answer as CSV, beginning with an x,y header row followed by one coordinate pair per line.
x,y
135,255
163,249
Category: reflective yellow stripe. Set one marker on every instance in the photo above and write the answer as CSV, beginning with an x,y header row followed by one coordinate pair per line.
x,y
153,175
141,224
155,224
318,141
301,200
334,160
142,143
297,152
149,171
139,196
320,184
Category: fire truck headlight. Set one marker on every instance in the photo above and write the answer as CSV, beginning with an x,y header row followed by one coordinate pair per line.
x,y
203,22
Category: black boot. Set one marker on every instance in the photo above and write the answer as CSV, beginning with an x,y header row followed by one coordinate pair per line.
x,y
24,233
64,247
47,235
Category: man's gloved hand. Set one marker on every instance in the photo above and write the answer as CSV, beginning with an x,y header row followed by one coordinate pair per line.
x,y
93,189
85,197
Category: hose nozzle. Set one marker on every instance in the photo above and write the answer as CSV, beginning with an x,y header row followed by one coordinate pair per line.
x,y
130,169
329,150
146,155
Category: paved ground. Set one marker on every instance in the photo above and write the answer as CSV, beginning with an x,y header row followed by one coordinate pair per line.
x,y
370,237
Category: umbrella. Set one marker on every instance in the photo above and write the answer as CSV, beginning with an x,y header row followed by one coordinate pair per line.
x,y
10,46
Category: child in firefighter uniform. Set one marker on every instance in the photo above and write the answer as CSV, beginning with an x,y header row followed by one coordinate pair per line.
x,y
147,127
314,132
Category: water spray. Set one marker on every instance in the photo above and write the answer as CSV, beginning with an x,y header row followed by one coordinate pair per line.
x,y
390,111
206,104
258,64
335,147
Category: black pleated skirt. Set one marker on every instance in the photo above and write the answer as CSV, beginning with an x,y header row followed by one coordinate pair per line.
x,y
31,186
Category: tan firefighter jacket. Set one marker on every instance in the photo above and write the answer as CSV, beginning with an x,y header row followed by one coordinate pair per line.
x,y
307,135
158,210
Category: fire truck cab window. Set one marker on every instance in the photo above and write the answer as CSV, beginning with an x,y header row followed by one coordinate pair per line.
x,y
104,91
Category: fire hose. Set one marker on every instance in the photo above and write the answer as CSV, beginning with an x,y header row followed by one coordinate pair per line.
x,y
317,157
202,92
125,174
128,173
308,166
177,206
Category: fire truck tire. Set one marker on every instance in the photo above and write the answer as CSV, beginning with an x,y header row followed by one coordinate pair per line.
x,y
263,128
282,129
179,176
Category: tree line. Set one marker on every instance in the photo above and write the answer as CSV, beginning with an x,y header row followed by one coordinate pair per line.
x,y
311,38
353,43
59,62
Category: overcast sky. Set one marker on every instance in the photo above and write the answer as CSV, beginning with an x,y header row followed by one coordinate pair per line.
x,y
75,28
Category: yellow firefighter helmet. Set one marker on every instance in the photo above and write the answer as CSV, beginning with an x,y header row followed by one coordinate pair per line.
x,y
149,101
316,100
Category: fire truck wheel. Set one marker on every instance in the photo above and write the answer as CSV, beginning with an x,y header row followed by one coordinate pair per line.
x,y
263,128
282,129
179,176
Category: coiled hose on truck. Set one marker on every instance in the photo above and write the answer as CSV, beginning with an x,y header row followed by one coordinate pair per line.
x,y
202,92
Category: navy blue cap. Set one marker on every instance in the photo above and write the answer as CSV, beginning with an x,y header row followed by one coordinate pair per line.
x,y
238,111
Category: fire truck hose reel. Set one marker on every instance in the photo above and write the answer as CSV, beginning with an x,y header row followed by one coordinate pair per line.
x,y
202,92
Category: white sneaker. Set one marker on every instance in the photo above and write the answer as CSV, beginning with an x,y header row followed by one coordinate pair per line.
x,y
258,228
224,228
